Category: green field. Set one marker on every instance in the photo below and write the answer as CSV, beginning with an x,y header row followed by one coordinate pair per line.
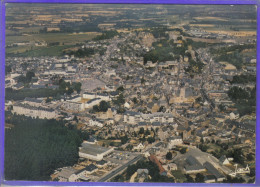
x,y
66,38
41,51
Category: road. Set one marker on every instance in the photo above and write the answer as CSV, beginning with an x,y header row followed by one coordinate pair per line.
x,y
120,169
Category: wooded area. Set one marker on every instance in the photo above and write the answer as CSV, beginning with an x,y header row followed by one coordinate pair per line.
x,y
34,148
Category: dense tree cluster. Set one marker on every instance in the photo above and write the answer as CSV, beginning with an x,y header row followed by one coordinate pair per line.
x,y
34,148
66,87
232,54
169,156
23,93
106,35
153,171
27,78
245,99
85,52
102,107
194,67
243,79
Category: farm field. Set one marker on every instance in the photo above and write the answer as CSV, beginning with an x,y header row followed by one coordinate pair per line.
x,y
66,38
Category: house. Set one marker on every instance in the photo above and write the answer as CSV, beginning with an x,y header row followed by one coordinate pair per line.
x,y
34,112
101,163
91,169
223,160
140,146
172,166
142,173
33,101
18,86
173,141
91,140
95,123
67,175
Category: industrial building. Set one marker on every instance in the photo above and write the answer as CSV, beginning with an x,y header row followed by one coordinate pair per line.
x,y
93,152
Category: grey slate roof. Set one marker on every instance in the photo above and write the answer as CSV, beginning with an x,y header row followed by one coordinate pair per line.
x,y
213,170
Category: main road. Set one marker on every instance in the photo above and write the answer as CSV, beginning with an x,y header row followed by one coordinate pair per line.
x,y
119,169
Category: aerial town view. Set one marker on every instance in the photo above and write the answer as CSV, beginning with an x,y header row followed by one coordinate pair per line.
x,y
130,93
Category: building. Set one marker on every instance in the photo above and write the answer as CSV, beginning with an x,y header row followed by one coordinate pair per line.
x,y
142,173
140,146
93,152
101,163
34,112
193,165
211,169
95,123
209,179
33,101
91,169
153,159
223,160
131,117
67,175
174,140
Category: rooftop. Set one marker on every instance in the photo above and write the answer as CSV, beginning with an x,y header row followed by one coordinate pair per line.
x,y
92,149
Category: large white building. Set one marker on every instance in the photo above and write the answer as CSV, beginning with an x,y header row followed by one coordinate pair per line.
x,y
173,141
136,117
34,112
93,152
88,100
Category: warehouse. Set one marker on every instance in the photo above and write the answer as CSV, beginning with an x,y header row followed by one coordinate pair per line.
x,y
93,152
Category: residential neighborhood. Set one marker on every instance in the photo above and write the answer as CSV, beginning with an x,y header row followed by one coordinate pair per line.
x,y
175,103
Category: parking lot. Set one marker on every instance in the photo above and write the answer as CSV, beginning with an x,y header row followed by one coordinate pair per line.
x,y
120,157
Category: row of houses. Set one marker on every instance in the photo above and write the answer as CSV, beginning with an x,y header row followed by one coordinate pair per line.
x,y
131,117
34,112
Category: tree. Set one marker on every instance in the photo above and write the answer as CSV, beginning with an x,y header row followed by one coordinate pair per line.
x,y
135,100
183,150
129,147
54,146
119,100
141,131
250,157
179,38
142,81
103,106
70,91
147,132
169,156
162,109
29,76
8,69
150,140
124,139
48,100
77,86
199,178
189,178
75,119
120,89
